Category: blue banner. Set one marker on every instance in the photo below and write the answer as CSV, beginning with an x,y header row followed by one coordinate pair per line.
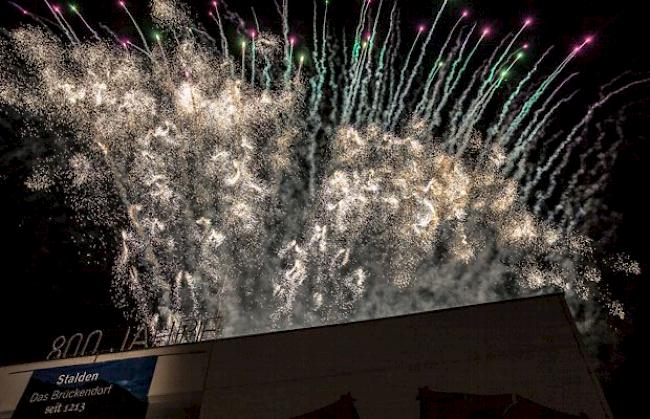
x,y
114,389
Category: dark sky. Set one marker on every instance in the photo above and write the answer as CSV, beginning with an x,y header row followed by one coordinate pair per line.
x,y
52,285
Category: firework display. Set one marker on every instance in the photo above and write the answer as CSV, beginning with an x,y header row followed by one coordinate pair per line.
x,y
374,175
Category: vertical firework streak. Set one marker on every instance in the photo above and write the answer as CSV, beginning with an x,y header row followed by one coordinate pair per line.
x,y
403,206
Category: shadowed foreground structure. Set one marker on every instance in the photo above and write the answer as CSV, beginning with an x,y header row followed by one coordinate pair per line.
x,y
526,351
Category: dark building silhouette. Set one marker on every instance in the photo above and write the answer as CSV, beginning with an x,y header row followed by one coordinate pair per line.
x,y
512,359
441,405
341,409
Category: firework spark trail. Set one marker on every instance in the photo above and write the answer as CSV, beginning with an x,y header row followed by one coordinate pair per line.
x,y
357,55
475,111
497,65
75,10
437,64
483,97
392,72
450,85
600,173
39,19
363,88
57,10
529,104
288,42
580,200
520,154
458,110
253,62
423,50
488,84
358,33
387,89
388,115
215,216
137,27
362,109
333,83
583,169
222,36
364,65
567,142
506,106
318,57
380,72
64,28
535,125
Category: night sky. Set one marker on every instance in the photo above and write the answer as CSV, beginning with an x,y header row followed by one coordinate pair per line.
x,y
55,284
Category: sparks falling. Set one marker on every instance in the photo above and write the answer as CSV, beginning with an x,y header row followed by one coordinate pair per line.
x,y
279,188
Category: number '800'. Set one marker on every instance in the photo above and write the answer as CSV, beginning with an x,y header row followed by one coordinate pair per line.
x,y
64,347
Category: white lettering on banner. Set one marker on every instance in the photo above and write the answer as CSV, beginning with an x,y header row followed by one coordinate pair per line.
x,y
82,377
